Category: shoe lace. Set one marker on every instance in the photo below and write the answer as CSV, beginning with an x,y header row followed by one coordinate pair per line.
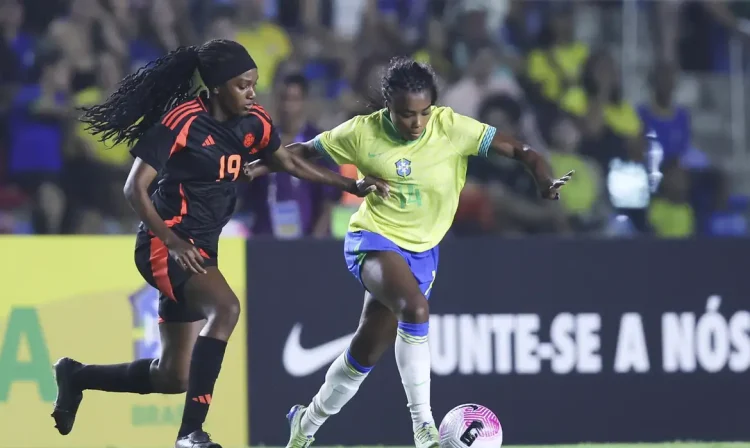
x,y
427,433
303,441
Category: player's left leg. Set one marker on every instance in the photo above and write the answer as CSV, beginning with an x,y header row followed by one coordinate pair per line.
x,y
402,281
211,294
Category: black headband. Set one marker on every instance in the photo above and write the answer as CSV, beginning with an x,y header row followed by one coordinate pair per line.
x,y
236,61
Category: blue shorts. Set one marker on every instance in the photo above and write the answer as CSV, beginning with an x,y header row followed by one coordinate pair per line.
x,y
423,264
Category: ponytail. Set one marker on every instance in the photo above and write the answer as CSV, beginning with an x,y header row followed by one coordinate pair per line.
x,y
143,97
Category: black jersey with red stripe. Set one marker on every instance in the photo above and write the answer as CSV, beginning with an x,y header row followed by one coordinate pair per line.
x,y
198,160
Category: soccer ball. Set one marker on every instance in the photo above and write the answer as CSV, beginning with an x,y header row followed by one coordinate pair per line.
x,y
470,425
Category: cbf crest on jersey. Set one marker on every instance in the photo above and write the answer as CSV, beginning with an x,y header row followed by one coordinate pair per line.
x,y
403,167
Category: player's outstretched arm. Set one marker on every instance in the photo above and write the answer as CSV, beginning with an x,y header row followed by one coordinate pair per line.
x,y
256,169
549,186
286,160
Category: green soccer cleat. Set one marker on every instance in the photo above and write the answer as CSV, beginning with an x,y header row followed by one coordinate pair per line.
x,y
296,438
427,436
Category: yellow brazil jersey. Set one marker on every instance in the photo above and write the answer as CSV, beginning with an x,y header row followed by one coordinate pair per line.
x,y
426,176
570,59
105,152
269,44
620,117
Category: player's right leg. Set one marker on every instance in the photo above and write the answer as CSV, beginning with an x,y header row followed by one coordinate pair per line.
x,y
376,332
167,374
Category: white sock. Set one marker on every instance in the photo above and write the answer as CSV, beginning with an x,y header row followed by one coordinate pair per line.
x,y
413,359
342,382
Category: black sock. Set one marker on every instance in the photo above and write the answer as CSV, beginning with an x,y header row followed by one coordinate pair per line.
x,y
205,365
134,377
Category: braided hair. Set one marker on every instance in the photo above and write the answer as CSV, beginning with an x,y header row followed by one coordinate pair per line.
x,y
407,75
143,97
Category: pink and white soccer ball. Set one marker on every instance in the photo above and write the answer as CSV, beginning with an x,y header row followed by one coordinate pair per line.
x,y
470,425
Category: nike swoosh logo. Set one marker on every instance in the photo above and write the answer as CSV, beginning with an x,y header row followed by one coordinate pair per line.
x,y
372,156
299,361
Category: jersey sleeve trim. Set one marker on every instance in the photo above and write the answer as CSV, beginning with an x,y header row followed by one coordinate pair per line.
x,y
320,149
266,138
179,113
181,140
486,143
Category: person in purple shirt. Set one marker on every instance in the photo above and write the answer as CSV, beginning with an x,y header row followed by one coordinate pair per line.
x,y
283,206
670,121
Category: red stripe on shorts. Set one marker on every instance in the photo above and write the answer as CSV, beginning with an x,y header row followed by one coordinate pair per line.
x,y
159,267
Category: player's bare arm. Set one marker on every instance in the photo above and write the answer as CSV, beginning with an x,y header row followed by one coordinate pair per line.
x,y
136,192
548,185
286,160
254,170
304,149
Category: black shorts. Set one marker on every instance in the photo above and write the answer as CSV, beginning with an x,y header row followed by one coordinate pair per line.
x,y
163,273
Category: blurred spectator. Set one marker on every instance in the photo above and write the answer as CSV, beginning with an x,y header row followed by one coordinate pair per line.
x,y
670,213
733,18
153,30
97,170
149,38
523,24
88,30
379,34
484,76
267,42
470,34
729,212
39,116
557,63
670,121
582,198
494,11
511,192
186,31
279,204
365,96
15,38
611,127
434,51
408,17
164,23
14,58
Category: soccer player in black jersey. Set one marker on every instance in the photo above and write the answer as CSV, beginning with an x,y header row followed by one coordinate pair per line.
x,y
198,147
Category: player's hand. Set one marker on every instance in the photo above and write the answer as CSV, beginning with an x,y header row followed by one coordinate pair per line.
x,y
553,191
186,255
255,169
372,184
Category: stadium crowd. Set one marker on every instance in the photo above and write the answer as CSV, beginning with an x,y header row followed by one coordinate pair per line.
x,y
522,66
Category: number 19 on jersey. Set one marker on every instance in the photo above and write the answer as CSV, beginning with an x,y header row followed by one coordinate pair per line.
x,y
229,165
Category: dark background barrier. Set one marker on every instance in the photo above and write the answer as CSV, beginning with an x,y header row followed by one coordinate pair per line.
x,y
566,340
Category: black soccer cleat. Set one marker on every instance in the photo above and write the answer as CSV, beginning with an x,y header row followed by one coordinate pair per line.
x,y
196,439
68,399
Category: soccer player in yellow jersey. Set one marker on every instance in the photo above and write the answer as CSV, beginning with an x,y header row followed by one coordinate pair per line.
x,y
421,151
